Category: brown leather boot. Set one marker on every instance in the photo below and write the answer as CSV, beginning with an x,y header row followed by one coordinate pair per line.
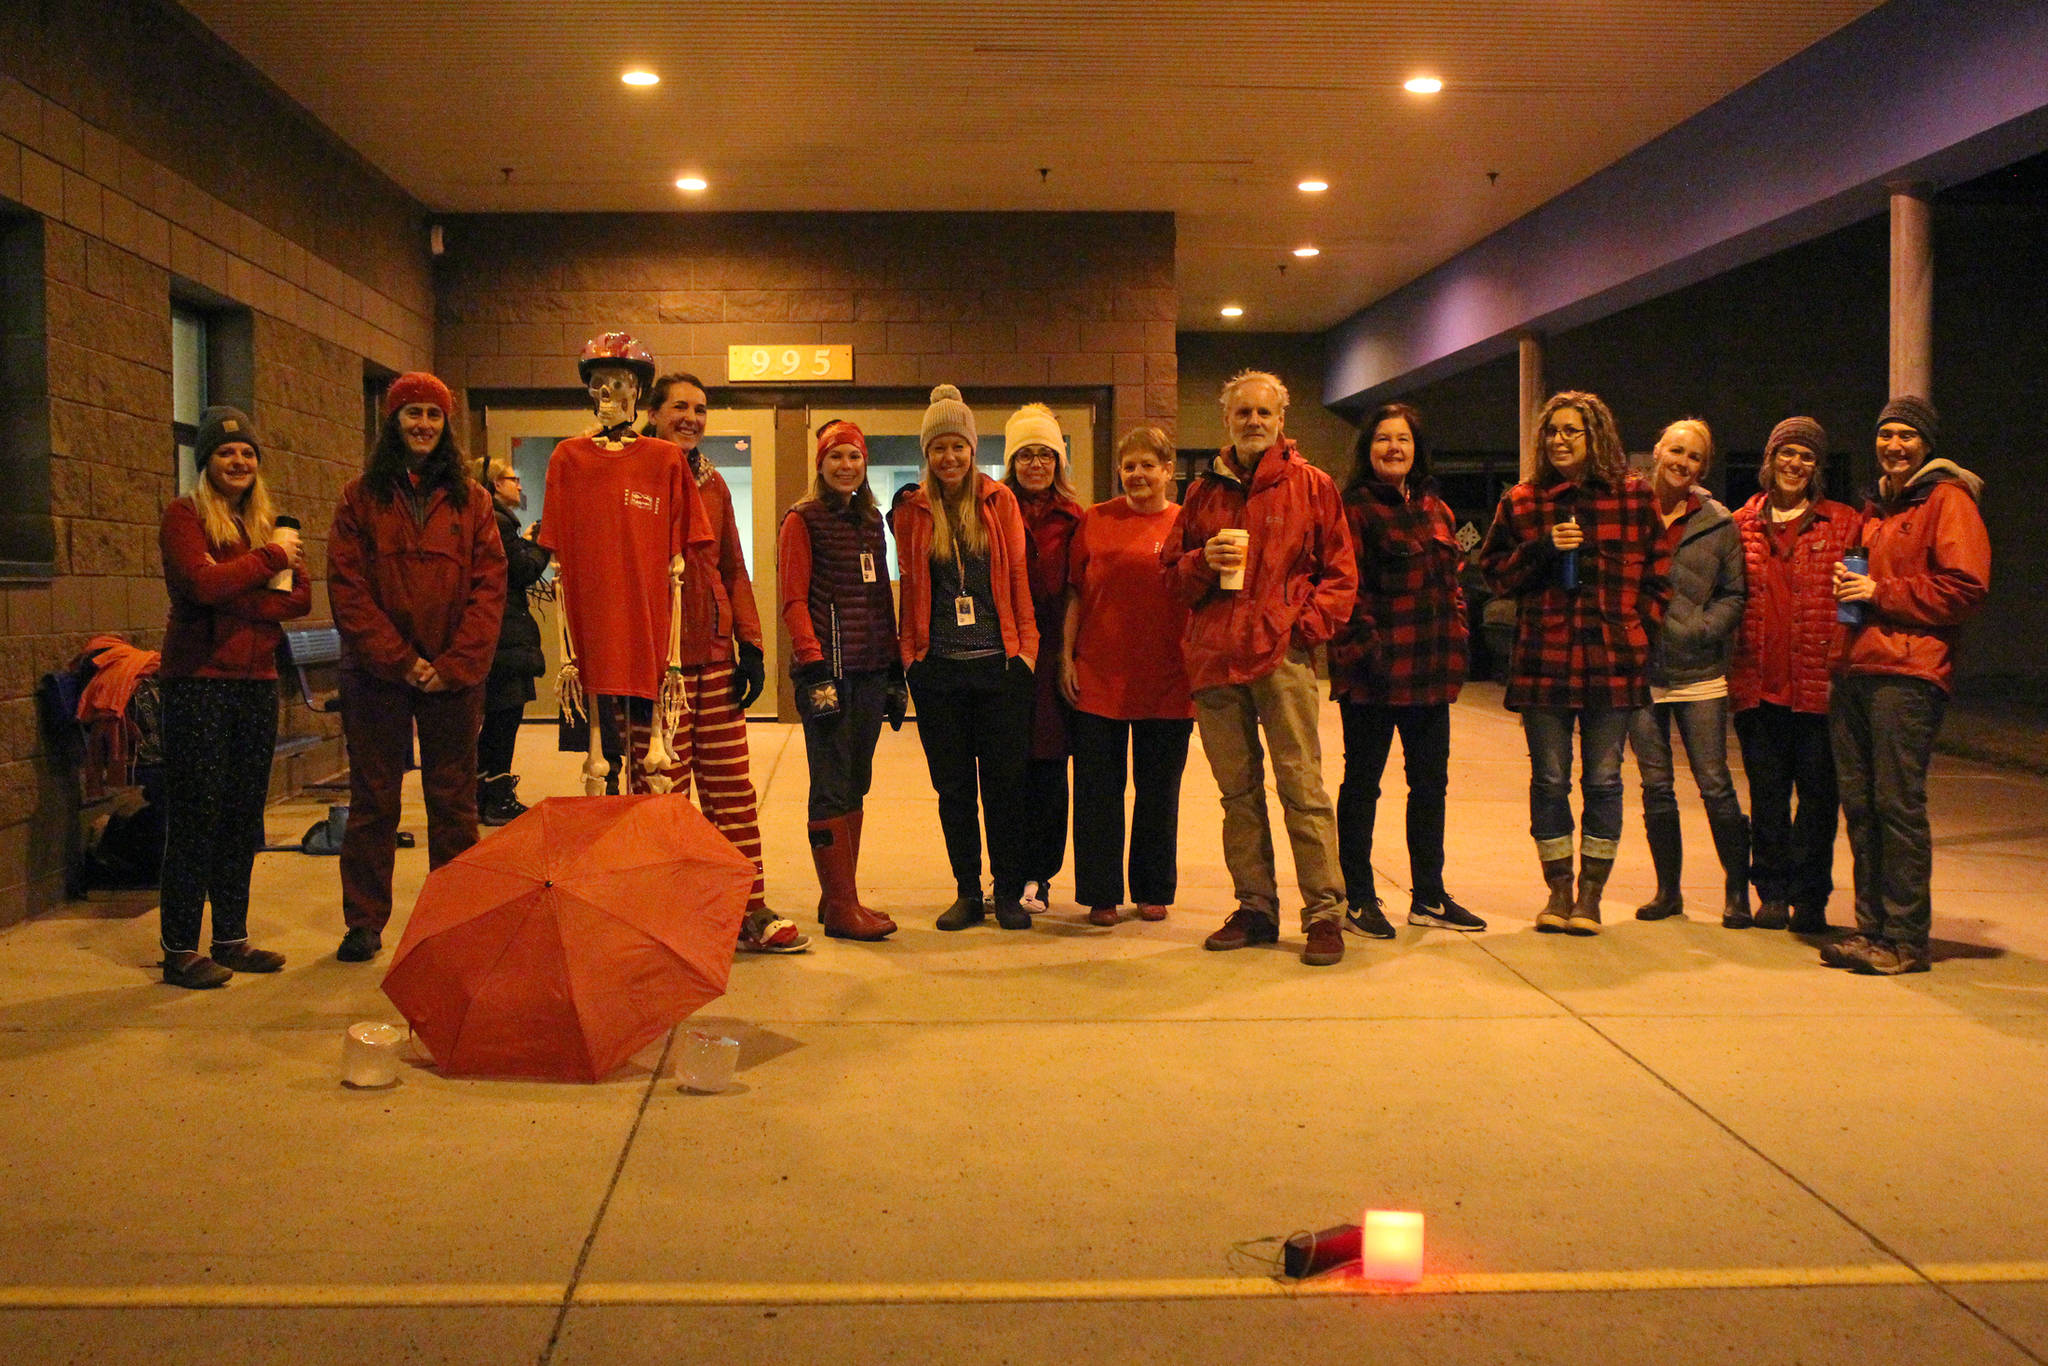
x,y
1555,917
1592,882
844,916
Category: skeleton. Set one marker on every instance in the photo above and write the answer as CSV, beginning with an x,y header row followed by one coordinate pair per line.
x,y
615,396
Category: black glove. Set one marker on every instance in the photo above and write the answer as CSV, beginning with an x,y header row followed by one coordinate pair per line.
x,y
749,675
896,701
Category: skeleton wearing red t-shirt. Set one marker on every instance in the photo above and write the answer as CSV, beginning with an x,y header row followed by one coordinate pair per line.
x,y
620,513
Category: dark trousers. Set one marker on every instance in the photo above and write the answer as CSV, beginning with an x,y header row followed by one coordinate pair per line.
x,y
974,719
1426,756
496,741
1792,857
1882,730
1044,817
840,749
377,719
1158,753
218,734
1601,736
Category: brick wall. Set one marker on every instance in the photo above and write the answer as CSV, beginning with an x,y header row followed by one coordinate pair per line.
x,y
137,184
1014,301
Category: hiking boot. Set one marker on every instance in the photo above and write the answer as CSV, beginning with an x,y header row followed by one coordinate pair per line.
x,y
1809,920
497,803
240,957
1370,921
1844,952
1446,914
1773,915
193,970
359,945
1103,915
968,910
1556,914
1011,915
1245,928
1891,957
1325,943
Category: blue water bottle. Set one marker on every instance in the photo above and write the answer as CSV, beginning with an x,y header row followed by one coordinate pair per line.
x,y
1856,559
1568,562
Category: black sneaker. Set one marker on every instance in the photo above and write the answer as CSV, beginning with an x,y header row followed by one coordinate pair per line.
x,y
1445,915
1370,921
359,946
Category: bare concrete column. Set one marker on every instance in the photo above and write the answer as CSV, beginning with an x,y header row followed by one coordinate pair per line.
x,y
1912,302
1529,352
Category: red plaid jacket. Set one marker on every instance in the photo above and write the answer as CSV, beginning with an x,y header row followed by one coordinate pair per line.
x,y
1405,643
1586,647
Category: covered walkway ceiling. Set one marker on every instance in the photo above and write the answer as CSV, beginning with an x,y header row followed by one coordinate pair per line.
x,y
1210,110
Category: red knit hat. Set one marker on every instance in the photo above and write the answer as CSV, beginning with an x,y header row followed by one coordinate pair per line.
x,y
417,386
839,432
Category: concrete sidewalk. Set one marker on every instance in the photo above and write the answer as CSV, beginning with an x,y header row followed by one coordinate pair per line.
x,y
1670,1143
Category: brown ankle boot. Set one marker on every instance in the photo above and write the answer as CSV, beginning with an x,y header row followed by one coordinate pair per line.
x,y
1593,873
844,916
1556,914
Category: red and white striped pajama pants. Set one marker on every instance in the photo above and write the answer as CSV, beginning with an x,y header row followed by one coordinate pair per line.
x,y
712,748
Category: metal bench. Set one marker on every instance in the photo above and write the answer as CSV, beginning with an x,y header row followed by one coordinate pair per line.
x,y
314,653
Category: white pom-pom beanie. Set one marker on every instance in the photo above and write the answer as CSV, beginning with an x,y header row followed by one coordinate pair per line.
x,y
949,415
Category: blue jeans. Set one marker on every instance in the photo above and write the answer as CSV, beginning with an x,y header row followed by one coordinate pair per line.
x,y
1703,726
1549,733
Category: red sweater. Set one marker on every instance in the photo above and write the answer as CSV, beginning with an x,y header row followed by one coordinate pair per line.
x,y
224,616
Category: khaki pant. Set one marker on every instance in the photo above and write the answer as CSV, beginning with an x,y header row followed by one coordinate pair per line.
x,y
1285,703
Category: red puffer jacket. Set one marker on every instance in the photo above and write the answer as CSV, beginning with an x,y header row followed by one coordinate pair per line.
x,y
1792,627
1300,579
1931,557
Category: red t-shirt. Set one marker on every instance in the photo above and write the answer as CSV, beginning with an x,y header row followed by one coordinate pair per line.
x,y
1127,653
614,520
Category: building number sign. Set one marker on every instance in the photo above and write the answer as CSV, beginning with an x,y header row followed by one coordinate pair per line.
x,y
788,364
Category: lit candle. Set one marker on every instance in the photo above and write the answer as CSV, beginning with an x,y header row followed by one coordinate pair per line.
x,y
1392,1246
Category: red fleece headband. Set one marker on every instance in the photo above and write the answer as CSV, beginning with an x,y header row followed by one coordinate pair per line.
x,y
839,432
417,386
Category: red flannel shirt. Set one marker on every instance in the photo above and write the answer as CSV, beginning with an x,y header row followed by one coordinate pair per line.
x,y
1586,647
1405,643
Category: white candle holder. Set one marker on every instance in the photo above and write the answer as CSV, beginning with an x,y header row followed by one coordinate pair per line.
x,y
369,1056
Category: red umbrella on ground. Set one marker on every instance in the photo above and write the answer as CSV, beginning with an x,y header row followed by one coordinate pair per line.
x,y
572,938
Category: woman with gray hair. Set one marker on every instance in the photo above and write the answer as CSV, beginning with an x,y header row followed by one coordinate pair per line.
x,y
1689,653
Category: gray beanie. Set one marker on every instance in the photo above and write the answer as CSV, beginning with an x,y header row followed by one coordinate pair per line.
x,y
219,425
948,416
1915,412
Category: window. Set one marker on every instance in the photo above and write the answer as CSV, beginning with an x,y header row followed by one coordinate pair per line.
x,y
27,534
212,345
188,386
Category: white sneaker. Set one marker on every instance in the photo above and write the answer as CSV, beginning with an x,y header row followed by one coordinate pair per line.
x,y
1033,899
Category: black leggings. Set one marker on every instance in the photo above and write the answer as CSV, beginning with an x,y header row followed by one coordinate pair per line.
x,y
218,736
496,741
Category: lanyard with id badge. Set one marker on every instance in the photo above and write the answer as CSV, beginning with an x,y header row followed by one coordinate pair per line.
x,y
963,605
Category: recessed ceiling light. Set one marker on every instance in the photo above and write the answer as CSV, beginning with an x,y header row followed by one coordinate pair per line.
x,y
1422,85
1232,311
641,78
693,183
1308,251
1313,186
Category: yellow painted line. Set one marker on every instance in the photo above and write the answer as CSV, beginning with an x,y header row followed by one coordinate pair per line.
x,y
707,1294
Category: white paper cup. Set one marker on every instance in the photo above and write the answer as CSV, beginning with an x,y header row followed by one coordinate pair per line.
x,y
369,1055
708,1062
1233,579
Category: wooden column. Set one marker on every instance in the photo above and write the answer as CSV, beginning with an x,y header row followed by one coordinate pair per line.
x,y
1912,293
1529,352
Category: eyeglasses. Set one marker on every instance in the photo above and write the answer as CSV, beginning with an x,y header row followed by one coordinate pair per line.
x,y
1568,433
1037,457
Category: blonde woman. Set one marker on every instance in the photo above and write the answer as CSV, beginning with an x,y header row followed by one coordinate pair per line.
x,y
233,575
969,640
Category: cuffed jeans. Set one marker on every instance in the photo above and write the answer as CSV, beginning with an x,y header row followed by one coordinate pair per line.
x,y
1158,755
1549,734
1284,704
1426,756
1882,729
1783,751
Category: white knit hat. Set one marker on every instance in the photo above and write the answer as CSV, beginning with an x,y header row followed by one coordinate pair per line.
x,y
948,416
1032,425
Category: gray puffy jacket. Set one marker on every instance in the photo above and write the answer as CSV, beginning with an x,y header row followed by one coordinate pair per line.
x,y
1708,589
